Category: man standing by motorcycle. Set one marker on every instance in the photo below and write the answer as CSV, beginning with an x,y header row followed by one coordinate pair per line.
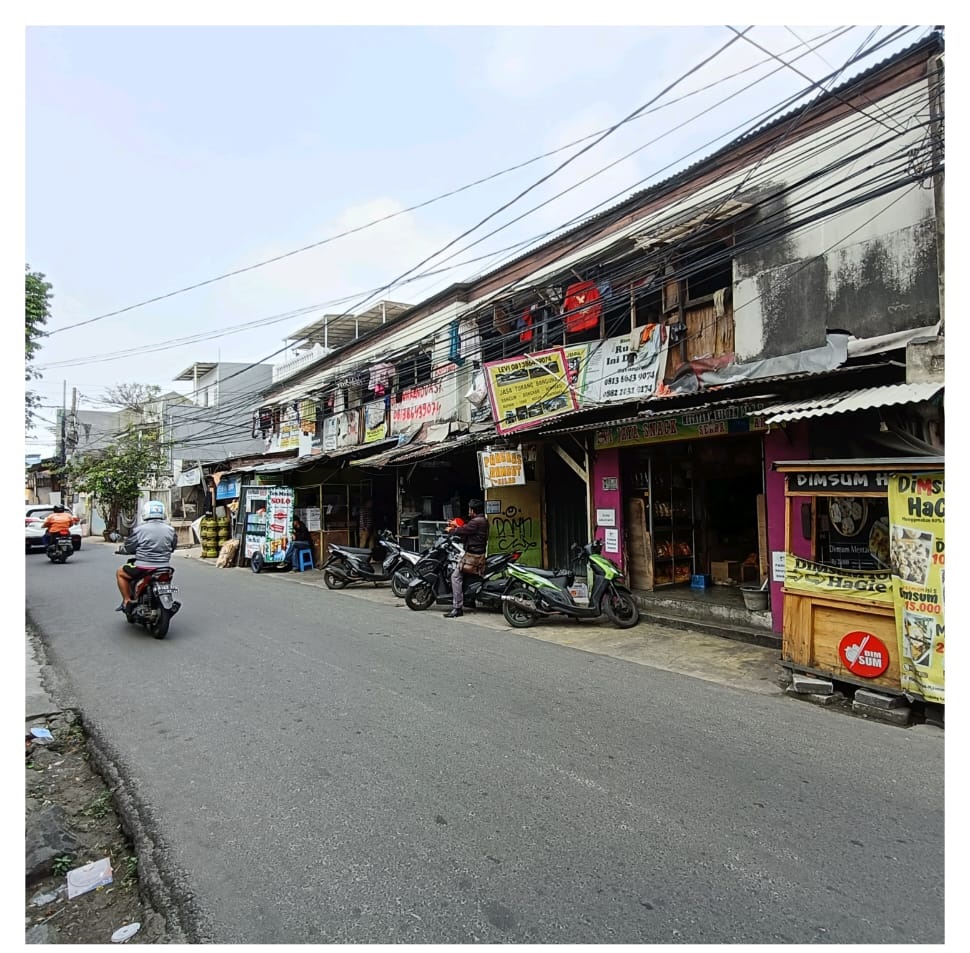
x,y
474,536
151,542
60,521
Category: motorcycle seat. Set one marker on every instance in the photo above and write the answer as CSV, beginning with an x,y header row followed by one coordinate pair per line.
x,y
356,550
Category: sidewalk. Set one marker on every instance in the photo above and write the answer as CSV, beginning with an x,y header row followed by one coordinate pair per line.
x,y
751,668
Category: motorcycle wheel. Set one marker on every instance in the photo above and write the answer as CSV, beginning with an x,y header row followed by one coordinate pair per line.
x,y
619,607
332,581
400,581
420,597
159,629
256,562
518,616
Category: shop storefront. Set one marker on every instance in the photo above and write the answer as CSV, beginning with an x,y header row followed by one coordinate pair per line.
x,y
863,572
681,498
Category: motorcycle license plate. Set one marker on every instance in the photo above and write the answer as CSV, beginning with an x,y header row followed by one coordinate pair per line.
x,y
166,590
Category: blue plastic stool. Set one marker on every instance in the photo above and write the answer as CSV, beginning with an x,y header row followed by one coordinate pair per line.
x,y
304,560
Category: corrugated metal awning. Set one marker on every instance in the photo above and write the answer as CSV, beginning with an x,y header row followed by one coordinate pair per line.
x,y
845,402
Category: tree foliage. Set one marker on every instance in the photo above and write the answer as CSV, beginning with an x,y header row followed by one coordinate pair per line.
x,y
133,397
37,305
114,477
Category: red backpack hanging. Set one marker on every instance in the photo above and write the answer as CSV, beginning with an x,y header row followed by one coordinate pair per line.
x,y
582,307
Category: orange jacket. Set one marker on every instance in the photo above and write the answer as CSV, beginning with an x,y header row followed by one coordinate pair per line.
x,y
60,522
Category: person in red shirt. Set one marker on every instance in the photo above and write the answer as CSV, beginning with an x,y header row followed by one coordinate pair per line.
x,y
60,521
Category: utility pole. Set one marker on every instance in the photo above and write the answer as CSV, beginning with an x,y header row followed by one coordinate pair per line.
x,y
64,426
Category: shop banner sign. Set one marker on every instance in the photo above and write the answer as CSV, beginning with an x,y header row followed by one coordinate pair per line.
x,y
329,434
375,421
289,429
501,468
710,422
844,482
342,430
804,575
427,404
279,514
916,554
227,488
529,390
614,372
308,416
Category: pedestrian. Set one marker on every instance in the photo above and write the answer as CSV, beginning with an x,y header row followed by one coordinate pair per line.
x,y
366,524
474,536
300,540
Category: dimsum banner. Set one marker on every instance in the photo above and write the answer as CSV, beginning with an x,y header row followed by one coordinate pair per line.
x,y
916,554
804,575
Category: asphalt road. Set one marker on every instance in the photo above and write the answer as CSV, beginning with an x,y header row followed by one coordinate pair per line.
x,y
314,767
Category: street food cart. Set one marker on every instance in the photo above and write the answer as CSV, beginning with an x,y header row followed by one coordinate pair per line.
x,y
864,572
268,519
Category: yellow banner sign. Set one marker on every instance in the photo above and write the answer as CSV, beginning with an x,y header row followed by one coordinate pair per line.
x,y
804,575
501,468
526,391
916,553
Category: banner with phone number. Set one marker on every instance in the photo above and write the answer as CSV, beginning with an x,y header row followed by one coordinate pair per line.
x,y
916,553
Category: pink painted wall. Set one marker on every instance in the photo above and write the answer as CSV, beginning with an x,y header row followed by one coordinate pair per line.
x,y
607,464
788,444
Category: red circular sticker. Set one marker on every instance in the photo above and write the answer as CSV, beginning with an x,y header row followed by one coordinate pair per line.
x,y
863,654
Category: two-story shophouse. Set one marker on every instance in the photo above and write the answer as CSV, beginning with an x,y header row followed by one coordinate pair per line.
x,y
646,376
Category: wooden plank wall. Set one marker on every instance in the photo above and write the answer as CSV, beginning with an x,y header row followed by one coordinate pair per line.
x,y
707,336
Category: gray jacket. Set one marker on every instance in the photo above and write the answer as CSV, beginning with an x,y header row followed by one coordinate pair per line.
x,y
152,542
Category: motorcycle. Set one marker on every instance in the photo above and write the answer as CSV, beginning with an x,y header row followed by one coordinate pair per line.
x,y
531,595
350,564
60,547
154,600
431,584
400,563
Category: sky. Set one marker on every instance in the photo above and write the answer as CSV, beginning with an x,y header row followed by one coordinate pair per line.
x,y
161,157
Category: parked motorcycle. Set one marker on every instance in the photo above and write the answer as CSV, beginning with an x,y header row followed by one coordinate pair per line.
x,y
350,564
431,584
154,600
400,563
531,595
60,547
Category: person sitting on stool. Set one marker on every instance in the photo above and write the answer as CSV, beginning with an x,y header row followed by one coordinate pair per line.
x,y
301,540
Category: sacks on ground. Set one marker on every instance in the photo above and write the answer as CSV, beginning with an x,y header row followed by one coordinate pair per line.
x,y
227,554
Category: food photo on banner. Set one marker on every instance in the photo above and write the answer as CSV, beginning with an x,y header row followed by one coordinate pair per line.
x,y
525,391
917,553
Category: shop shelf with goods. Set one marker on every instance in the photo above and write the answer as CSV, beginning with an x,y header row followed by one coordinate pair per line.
x,y
664,484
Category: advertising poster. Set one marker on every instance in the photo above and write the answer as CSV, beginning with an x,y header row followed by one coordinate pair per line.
x,y
613,371
709,422
857,535
916,554
290,430
375,421
501,468
804,575
330,434
525,391
279,516
348,428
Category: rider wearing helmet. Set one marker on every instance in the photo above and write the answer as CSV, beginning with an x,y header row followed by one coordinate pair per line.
x,y
151,542
60,521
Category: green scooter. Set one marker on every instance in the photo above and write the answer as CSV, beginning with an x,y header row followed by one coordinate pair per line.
x,y
531,595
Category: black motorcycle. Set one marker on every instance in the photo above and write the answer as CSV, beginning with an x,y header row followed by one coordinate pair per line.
x,y
351,564
60,547
153,598
431,584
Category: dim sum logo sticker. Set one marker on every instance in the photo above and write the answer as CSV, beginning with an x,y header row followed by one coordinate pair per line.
x,y
863,654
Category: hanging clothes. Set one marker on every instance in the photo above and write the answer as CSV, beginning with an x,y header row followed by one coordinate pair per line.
x,y
524,326
582,307
380,376
470,347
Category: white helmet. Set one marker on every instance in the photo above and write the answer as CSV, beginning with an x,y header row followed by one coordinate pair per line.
x,y
153,510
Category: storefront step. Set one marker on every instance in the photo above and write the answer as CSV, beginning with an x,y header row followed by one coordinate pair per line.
x,y
724,625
